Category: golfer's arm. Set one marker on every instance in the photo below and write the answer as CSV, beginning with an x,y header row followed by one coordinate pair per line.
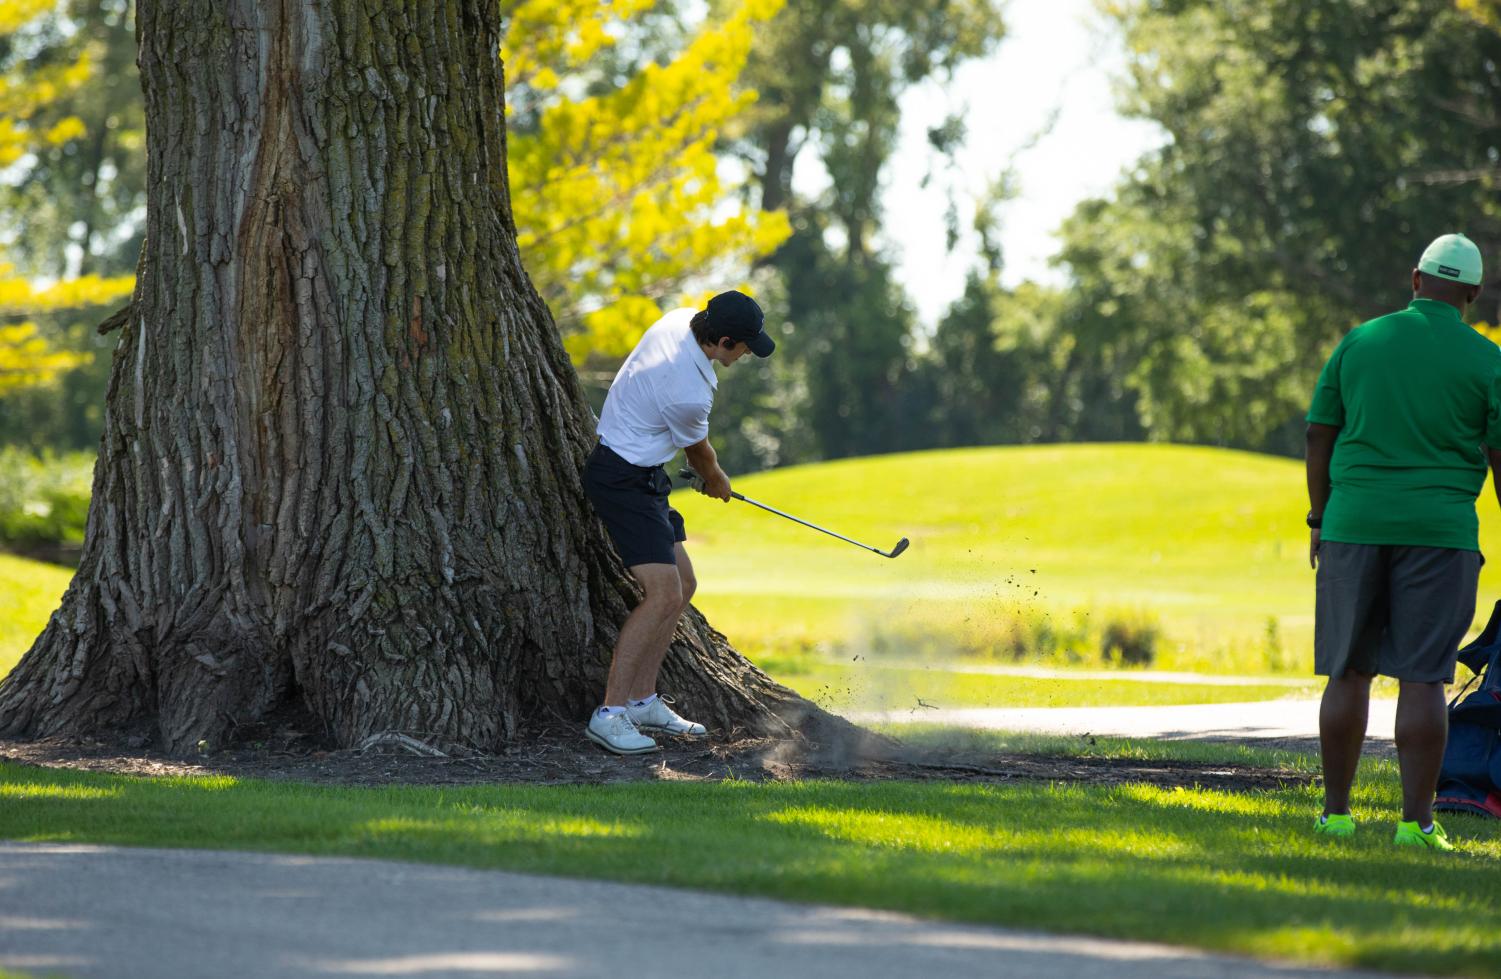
x,y
702,458
1320,445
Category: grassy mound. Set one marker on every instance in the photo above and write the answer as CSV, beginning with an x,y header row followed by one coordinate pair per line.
x,y
29,592
1193,558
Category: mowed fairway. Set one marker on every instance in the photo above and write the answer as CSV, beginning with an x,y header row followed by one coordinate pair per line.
x,y
29,592
1210,542
1206,543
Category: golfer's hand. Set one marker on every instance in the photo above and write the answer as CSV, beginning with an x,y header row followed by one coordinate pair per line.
x,y
717,485
1313,549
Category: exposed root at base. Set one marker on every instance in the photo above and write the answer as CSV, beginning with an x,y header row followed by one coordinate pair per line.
x,y
562,756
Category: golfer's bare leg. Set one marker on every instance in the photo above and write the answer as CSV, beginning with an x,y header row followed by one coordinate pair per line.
x,y
662,601
1422,729
1342,722
644,683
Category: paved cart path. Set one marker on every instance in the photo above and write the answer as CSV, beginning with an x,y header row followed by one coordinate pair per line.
x,y
91,911
1293,720
1175,677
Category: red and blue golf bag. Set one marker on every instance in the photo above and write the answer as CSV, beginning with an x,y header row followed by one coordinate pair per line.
x,y
1470,780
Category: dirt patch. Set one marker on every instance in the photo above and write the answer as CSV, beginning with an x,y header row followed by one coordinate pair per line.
x,y
560,756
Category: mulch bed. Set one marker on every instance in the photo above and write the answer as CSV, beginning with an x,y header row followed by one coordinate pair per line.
x,y
561,756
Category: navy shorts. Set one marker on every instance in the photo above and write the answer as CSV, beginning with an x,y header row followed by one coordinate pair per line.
x,y
1397,611
632,502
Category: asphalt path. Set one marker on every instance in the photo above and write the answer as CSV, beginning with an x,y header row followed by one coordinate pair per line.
x,y
91,911
1175,677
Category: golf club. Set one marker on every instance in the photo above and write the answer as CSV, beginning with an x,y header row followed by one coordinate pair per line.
x,y
697,482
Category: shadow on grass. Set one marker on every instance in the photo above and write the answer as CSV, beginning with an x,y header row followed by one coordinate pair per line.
x,y
1228,871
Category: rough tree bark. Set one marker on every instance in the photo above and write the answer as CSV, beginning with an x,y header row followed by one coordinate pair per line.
x,y
343,442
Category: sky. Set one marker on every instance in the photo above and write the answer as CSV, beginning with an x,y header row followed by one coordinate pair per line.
x,y
1058,56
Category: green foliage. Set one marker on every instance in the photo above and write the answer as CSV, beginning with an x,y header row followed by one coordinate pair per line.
x,y
1012,633
759,419
1015,366
47,122
74,135
70,137
830,75
32,322
615,186
1236,872
67,413
43,500
1025,551
1018,555
620,205
1130,640
54,365
1312,151
854,331
992,387
1487,12
26,360
1030,635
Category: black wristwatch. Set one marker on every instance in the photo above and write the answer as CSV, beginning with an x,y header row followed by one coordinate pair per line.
x,y
1315,522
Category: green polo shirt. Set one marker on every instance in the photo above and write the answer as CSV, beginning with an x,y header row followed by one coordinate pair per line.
x,y
1416,395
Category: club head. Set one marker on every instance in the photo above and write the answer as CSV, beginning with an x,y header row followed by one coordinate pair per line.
x,y
901,546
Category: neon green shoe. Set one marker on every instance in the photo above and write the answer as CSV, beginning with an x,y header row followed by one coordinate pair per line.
x,y
1411,834
1337,824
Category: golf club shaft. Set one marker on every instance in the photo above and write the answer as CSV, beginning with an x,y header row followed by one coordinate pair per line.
x,y
771,509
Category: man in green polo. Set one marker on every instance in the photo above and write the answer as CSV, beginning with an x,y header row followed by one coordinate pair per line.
x,y
1405,418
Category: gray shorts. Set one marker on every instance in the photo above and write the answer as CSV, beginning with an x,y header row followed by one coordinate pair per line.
x,y
1393,610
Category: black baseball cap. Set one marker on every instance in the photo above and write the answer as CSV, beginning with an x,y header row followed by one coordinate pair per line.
x,y
736,315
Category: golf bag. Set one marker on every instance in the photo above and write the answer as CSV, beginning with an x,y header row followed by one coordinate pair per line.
x,y
1470,780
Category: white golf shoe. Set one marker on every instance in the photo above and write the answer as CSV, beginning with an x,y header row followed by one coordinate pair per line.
x,y
658,717
617,733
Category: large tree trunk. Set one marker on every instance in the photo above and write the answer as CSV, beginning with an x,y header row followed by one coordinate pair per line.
x,y
343,443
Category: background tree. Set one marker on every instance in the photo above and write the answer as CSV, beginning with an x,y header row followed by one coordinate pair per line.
x,y
26,359
1027,364
71,135
1312,150
341,457
830,75
620,204
1487,12
56,142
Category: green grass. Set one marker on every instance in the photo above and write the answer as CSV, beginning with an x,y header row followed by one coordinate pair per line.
x,y
875,686
1011,546
1233,872
1208,542
29,592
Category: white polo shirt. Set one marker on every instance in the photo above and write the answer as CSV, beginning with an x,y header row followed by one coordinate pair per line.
x,y
659,401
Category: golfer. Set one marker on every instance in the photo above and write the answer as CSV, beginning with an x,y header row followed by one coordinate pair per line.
x,y
1405,417
659,403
